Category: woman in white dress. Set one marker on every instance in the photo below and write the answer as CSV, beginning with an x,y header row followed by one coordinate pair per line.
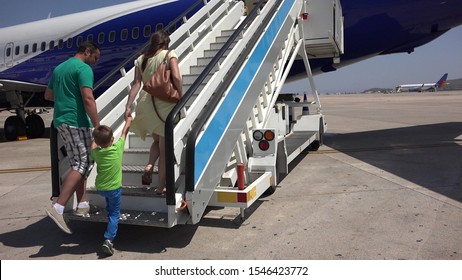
x,y
147,121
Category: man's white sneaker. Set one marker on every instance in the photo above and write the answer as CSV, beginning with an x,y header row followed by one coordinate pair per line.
x,y
85,212
58,219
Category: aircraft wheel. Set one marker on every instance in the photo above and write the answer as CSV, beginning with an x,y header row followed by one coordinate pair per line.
x,y
14,127
35,127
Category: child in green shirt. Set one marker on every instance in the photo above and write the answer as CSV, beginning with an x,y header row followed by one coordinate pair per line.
x,y
108,157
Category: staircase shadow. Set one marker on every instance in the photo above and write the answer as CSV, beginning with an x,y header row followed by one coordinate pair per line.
x,y
426,155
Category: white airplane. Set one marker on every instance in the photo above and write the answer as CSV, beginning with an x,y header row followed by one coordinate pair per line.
x,y
424,86
29,52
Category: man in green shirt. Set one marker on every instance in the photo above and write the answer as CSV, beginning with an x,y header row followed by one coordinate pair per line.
x,y
108,158
75,113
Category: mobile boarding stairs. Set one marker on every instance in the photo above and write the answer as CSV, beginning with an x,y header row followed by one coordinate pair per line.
x,y
233,67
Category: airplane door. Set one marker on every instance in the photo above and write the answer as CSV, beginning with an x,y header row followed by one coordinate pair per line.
x,y
9,53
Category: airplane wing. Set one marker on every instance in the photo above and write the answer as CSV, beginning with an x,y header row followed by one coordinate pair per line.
x,y
10,85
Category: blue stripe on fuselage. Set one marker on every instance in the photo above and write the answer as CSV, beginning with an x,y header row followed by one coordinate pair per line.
x,y
214,131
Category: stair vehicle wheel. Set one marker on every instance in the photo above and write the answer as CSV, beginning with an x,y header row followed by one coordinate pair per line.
x,y
35,126
14,127
270,190
314,146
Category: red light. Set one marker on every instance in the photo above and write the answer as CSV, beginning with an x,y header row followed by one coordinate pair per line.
x,y
263,145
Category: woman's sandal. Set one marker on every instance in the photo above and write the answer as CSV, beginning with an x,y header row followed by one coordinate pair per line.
x,y
146,178
161,191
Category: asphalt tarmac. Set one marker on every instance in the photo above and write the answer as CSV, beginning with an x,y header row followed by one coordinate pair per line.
x,y
386,185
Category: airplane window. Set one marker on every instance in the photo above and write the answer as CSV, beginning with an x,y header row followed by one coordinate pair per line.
x,y
135,33
147,31
112,35
26,49
159,26
79,40
16,51
52,44
43,46
69,43
34,47
60,43
90,37
101,38
123,34
8,52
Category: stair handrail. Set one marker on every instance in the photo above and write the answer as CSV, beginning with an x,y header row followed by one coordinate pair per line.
x,y
169,123
138,52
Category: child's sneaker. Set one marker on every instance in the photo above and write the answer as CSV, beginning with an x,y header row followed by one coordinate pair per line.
x,y
108,247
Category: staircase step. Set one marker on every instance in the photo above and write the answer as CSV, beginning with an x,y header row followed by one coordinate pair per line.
x,y
189,79
227,33
132,175
129,217
212,53
205,60
134,190
217,46
137,143
135,156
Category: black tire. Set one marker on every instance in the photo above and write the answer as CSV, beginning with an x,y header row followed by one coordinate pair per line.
x,y
270,190
35,127
314,146
14,127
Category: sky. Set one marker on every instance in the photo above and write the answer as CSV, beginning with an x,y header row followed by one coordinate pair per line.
x,y
426,64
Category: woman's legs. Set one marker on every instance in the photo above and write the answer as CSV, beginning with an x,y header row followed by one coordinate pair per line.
x,y
161,166
153,153
153,156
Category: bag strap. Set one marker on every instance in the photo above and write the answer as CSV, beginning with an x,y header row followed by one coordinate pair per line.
x,y
155,109
166,57
152,97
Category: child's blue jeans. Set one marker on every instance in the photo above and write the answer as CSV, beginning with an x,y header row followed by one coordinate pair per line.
x,y
113,199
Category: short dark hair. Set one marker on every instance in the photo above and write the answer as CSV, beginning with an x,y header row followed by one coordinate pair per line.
x,y
87,45
103,135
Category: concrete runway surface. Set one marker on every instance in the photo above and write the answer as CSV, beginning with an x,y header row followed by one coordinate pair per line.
x,y
385,185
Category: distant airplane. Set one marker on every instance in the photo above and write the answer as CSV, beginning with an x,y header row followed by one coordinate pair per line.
x,y
424,86
29,52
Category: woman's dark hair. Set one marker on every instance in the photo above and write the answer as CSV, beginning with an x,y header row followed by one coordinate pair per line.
x,y
159,40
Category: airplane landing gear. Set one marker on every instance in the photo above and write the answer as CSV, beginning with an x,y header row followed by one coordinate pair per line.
x,y
15,127
35,127
21,125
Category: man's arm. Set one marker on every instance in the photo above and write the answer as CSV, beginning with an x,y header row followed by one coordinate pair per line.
x,y
90,105
49,94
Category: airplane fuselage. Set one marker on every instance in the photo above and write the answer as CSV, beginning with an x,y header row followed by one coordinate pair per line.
x,y
29,52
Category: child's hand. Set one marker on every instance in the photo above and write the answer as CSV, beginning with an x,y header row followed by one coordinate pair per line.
x,y
128,114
